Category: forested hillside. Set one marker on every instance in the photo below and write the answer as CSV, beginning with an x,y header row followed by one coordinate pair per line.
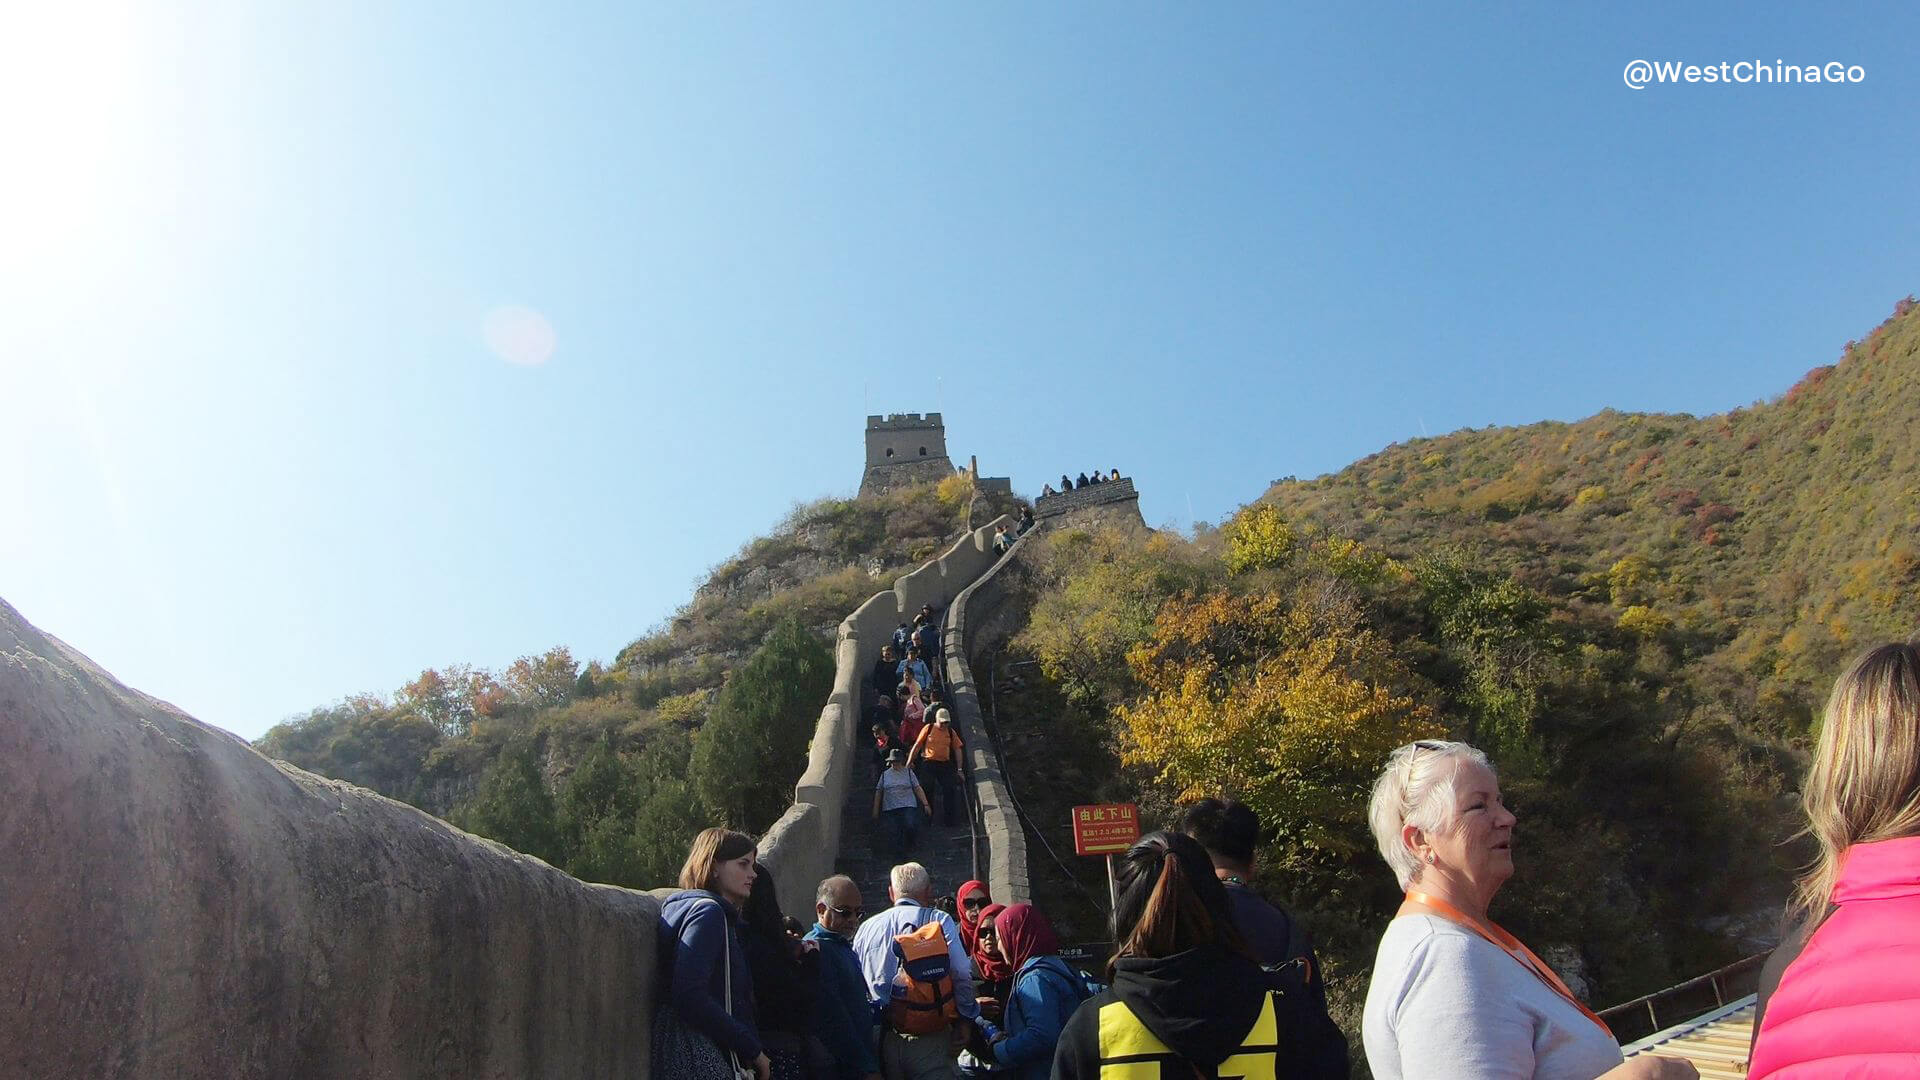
x,y
608,769
1636,616
1759,547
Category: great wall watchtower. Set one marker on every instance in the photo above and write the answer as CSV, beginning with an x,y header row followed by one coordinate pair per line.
x,y
902,449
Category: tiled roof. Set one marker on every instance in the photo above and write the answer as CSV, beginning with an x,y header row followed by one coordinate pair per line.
x,y
1716,1043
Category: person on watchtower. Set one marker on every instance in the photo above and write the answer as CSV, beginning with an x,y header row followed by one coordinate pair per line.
x,y
919,980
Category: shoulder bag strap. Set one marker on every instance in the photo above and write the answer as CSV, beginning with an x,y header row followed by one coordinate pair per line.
x,y
726,928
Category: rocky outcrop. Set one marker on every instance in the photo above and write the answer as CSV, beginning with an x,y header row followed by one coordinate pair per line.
x,y
172,904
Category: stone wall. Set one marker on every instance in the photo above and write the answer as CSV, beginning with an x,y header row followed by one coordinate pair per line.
x,y
800,848
1110,494
977,624
174,904
880,479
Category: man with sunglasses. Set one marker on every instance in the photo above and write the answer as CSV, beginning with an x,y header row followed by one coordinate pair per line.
x,y
844,1018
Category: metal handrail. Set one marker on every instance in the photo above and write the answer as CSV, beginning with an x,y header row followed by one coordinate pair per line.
x,y
1713,977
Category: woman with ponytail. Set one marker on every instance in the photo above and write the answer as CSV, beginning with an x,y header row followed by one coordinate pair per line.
x,y
1187,1002
1845,1003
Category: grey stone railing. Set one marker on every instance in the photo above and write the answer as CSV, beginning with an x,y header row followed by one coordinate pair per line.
x,y
1006,842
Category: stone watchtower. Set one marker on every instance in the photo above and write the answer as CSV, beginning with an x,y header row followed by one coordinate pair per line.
x,y
904,449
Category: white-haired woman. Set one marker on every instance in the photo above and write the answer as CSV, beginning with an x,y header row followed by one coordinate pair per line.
x,y
1455,997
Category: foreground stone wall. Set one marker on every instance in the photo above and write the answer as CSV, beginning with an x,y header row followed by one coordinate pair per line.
x,y
801,847
172,904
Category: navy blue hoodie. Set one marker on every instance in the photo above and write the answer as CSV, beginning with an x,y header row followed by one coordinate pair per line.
x,y
697,931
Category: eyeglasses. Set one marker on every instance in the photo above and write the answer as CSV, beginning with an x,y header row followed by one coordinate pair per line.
x,y
973,901
849,913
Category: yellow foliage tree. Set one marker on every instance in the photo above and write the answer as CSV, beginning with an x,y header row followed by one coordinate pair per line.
x,y
1258,538
1245,698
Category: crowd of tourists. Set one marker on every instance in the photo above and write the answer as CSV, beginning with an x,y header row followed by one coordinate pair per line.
x,y
1083,480
1207,979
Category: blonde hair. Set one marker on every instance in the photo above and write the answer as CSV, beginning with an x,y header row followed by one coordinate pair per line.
x,y
1865,781
1416,788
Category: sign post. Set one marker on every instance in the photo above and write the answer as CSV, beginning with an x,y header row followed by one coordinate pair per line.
x,y
1106,829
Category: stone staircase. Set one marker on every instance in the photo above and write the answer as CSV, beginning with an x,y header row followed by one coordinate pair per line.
x,y
946,851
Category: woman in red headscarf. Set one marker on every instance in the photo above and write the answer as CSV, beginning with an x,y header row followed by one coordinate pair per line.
x,y
991,974
967,904
1045,992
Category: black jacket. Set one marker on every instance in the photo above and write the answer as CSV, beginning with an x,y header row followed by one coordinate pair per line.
x,y
1191,1012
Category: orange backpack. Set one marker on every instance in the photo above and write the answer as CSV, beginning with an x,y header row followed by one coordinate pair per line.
x,y
927,969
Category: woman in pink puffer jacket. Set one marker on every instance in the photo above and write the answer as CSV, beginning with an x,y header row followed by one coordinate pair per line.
x,y
1849,1004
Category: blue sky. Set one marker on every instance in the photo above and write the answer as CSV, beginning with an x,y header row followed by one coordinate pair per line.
x,y
262,454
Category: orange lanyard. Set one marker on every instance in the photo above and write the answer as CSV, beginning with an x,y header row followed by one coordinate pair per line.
x,y
1493,933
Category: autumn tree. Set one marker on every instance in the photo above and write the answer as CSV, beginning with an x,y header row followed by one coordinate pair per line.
x,y
1263,699
452,699
1258,538
1110,585
543,681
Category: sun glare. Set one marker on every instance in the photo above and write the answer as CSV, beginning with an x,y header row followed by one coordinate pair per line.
x,y
66,92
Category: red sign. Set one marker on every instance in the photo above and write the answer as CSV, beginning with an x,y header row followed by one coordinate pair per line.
x,y
1107,829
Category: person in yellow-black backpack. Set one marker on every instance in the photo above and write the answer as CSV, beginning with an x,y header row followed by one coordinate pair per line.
x,y
1187,1000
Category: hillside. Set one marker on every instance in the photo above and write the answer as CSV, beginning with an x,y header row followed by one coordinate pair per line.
x,y
607,769
1767,543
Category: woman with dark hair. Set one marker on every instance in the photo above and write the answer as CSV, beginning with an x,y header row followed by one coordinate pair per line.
x,y
786,980
1187,1000
705,1028
1045,993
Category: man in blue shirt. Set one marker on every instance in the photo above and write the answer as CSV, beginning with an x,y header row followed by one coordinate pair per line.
x,y
915,664
845,1017
904,1056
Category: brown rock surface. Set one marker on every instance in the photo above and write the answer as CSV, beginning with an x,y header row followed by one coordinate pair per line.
x,y
172,904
